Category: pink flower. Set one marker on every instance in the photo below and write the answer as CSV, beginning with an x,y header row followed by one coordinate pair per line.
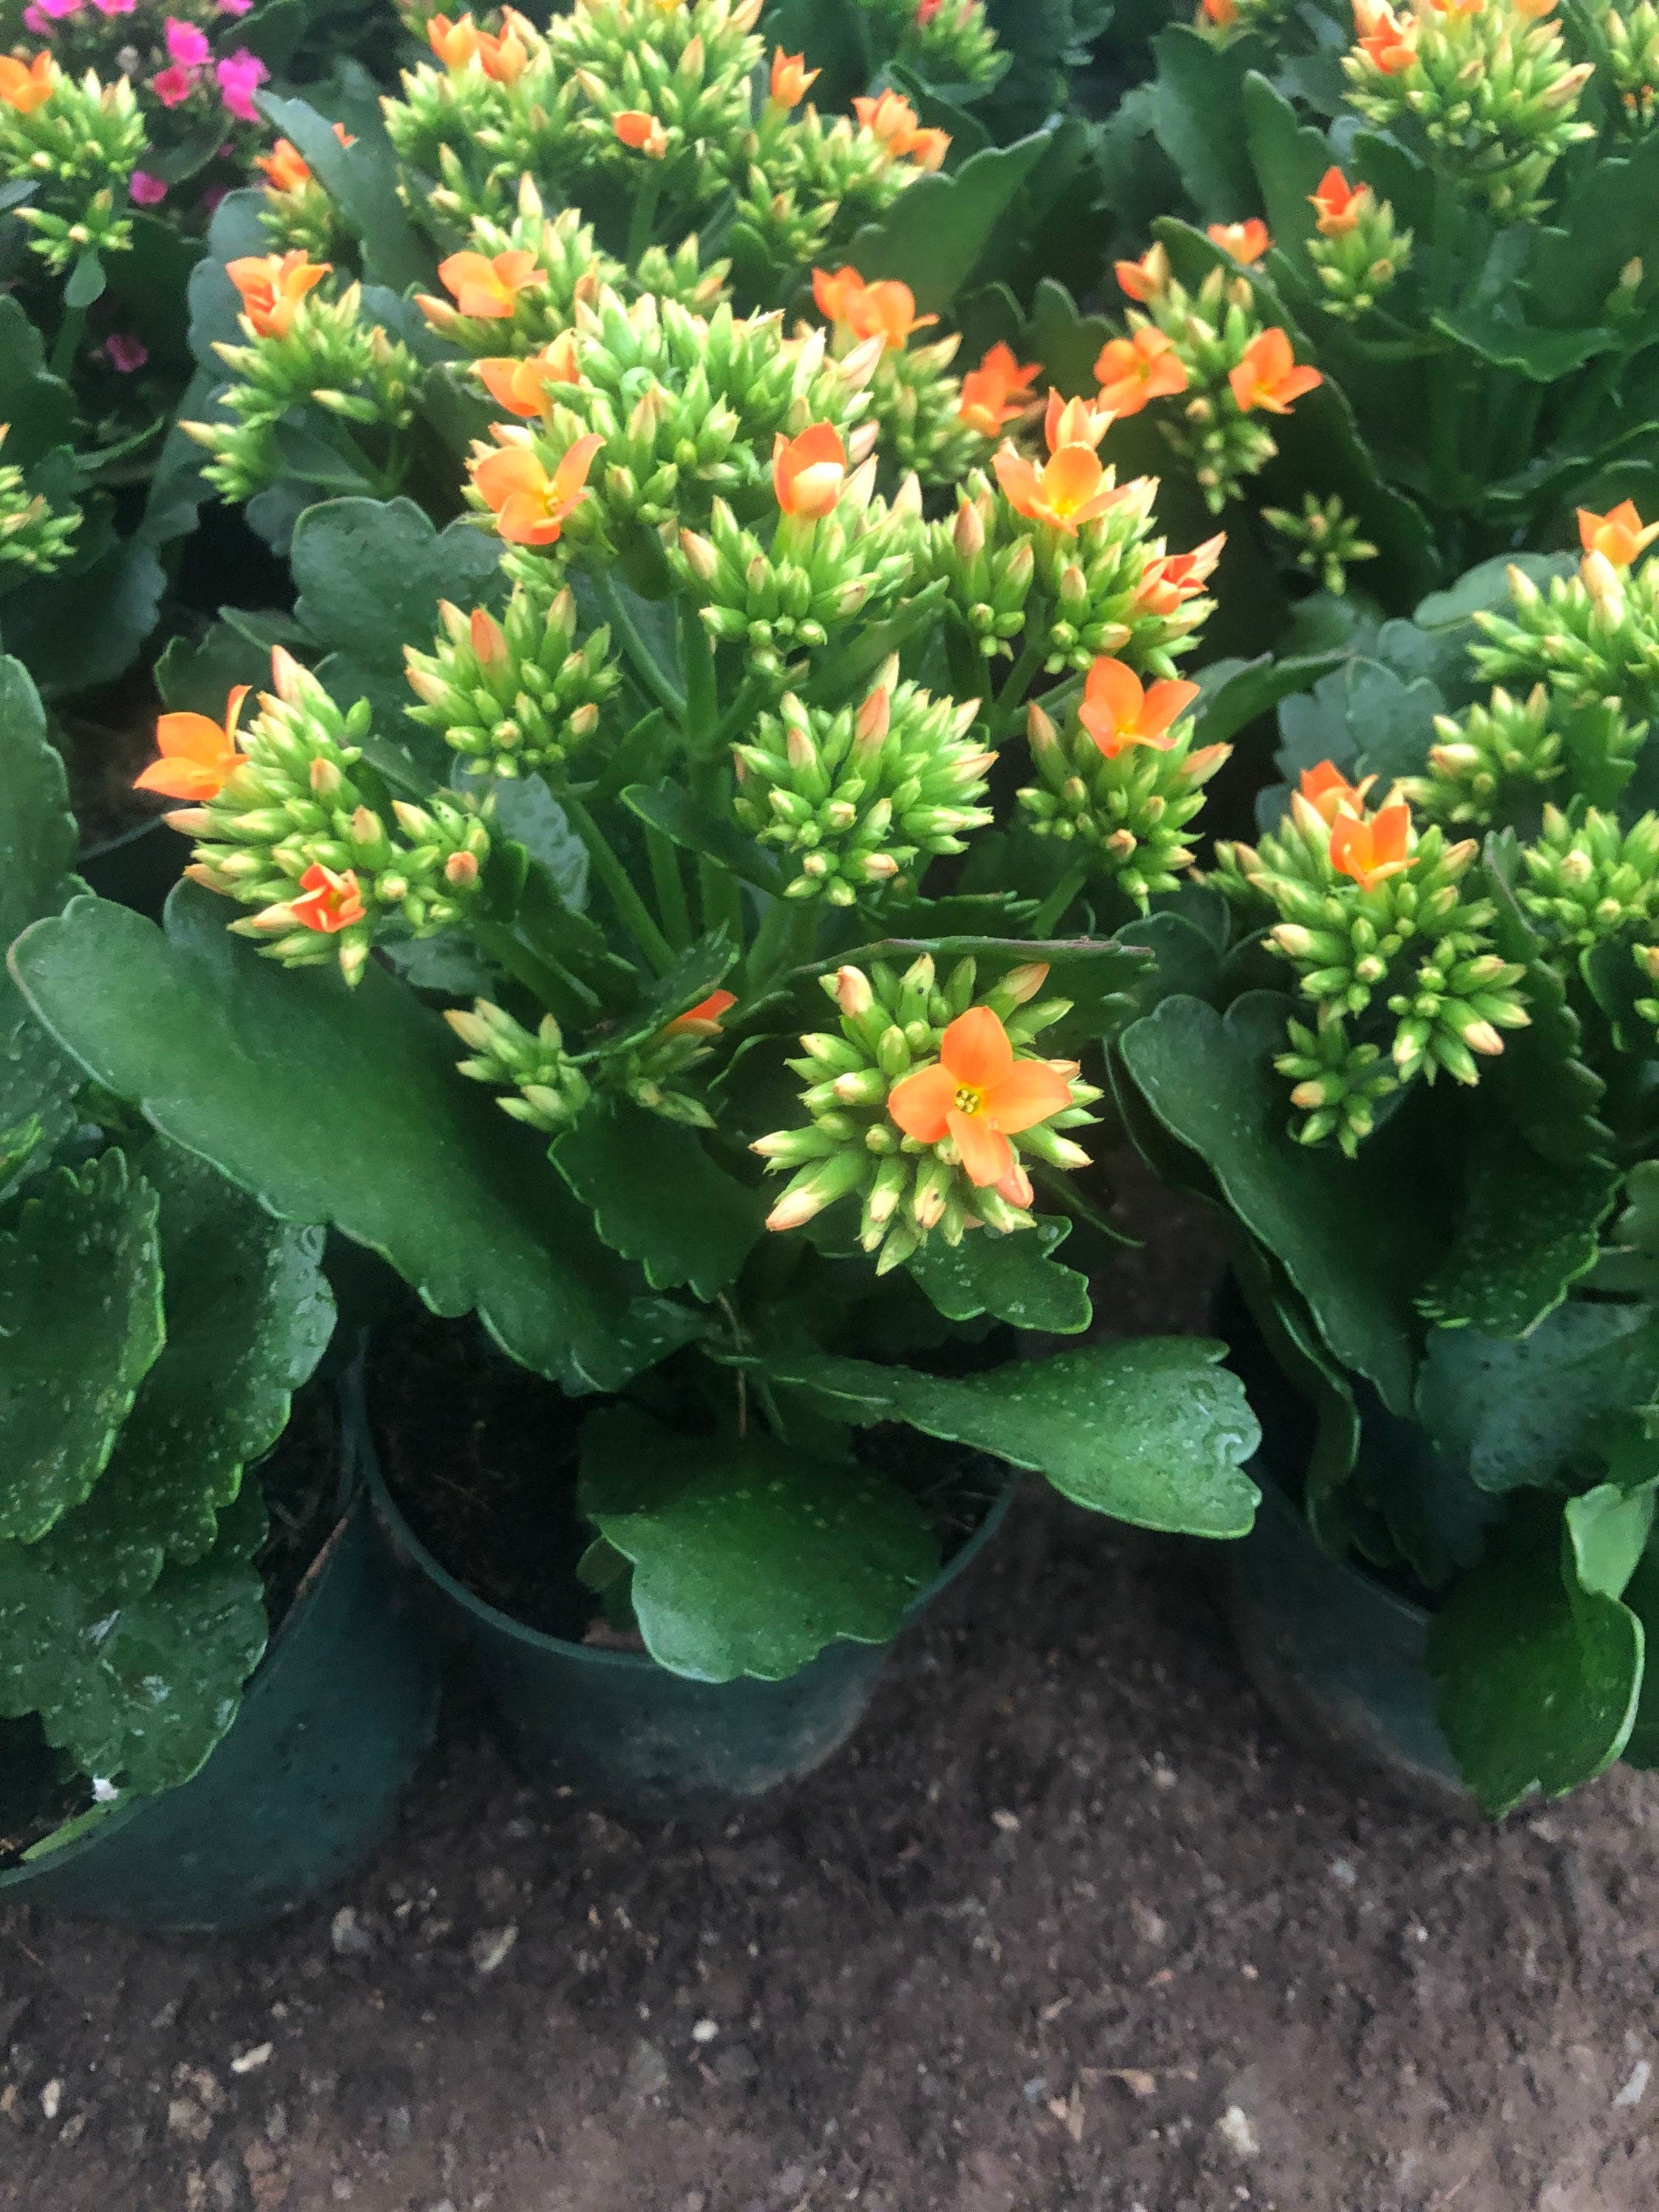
x,y
172,86
59,9
147,190
239,74
125,354
115,7
35,21
234,7
186,43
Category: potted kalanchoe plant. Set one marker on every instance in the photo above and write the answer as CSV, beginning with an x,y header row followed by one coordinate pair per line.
x,y
158,1323
663,883
1432,1132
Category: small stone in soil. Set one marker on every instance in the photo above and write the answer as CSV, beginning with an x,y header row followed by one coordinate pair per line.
x,y
735,2066
399,2127
50,2097
1235,2129
490,1946
705,2030
349,1937
647,2071
1636,2089
249,2062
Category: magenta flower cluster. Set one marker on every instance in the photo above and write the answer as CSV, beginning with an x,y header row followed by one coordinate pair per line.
x,y
237,76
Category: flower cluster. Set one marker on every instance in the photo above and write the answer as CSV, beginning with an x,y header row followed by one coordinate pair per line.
x,y
1357,250
78,142
35,536
925,1106
548,1087
948,40
519,696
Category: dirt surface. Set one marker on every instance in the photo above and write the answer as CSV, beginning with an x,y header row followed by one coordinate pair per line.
x,y
1068,1924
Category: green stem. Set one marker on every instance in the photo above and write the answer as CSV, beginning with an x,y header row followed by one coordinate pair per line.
x,y
547,984
68,342
627,901
702,723
1011,696
669,885
1059,899
644,216
785,939
718,892
644,662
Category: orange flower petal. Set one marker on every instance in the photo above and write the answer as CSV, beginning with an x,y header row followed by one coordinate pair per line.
x,y
976,1048
1028,1093
987,1157
920,1103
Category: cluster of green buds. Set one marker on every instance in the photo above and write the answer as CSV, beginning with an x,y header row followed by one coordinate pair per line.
x,y
287,818
1376,919
1357,250
33,536
1326,537
1631,59
950,41
854,797
298,215
78,143
1119,786
927,428
1486,766
519,696
812,181
1487,82
819,572
545,1086
488,112
1589,881
667,88
925,1106
301,348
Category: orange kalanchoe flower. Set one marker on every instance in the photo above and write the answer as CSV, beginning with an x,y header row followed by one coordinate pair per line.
x,y
1338,205
1132,371
1144,279
927,149
1069,490
642,132
790,79
1619,535
808,472
1118,713
197,755
519,383
1167,583
502,55
885,309
979,1095
1224,14
997,391
704,1018
332,902
272,288
532,508
1246,241
891,118
1372,851
1268,376
26,85
486,287
1329,793
1074,422
1389,45
286,168
456,45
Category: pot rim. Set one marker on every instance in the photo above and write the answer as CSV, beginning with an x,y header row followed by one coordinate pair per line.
x,y
1377,1591
354,1394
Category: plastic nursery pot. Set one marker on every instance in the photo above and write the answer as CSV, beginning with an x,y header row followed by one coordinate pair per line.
x,y
305,1781
629,1734
138,868
1340,1658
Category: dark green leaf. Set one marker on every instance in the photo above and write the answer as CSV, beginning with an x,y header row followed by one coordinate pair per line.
x,y
670,808
1609,217
1545,356
658,1197
84,626
361,181
85,282
936,232
1527,1234
1199,116
1013,1278
37,407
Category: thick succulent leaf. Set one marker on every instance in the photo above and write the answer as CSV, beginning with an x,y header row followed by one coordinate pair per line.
x,y
1631,1262
79,1326
362,182
1199,116
1521,1415
1609,217
936,232
1012,1278
1642,1596
83,625
37,407
1540,1081
749,1557
248,1316
38,839
138,1695
657,1196
1606,1531
1153,1430
1527,1234
345,1107
1290,158
1354,1236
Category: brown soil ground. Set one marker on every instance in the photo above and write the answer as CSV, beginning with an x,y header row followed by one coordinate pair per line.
x,y
1068,1924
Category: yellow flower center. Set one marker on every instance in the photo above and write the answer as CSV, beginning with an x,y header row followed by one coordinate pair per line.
x,y
968,1101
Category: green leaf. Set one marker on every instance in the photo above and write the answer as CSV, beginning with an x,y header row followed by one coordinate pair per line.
x,y
248,1314
1526,1233
343,1107
700,970
1067,341
83,626
1234,692
86,281
1641,1596
79,1326
1606,1530
936,232
1538,1692
1523,1414
1608,218
1545,356
1355,1236
1152,1430
1290,158
362,182
1012,1278
658,1197
749,1557
1630,1262
672,809
1199,116
37,407
1540,1081
93,1674
38,838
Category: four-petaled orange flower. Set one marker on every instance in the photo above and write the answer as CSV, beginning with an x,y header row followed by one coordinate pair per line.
x,y
519,383
1246,241
885,309
995,392
642,132
25,85
1329,793
532,508
1388,44
1132,371
808,472
1372,851
486,287
1144,279
1118,713
1268,376
704,1018
332,902
197,754
273,287
1167,583
504,55
1619,535
1068,491
1338,205
791,78
979,1095
1074,422
456,45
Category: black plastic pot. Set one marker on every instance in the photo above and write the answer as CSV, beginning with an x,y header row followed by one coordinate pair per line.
x,y
305,1784
138,869
627,1733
